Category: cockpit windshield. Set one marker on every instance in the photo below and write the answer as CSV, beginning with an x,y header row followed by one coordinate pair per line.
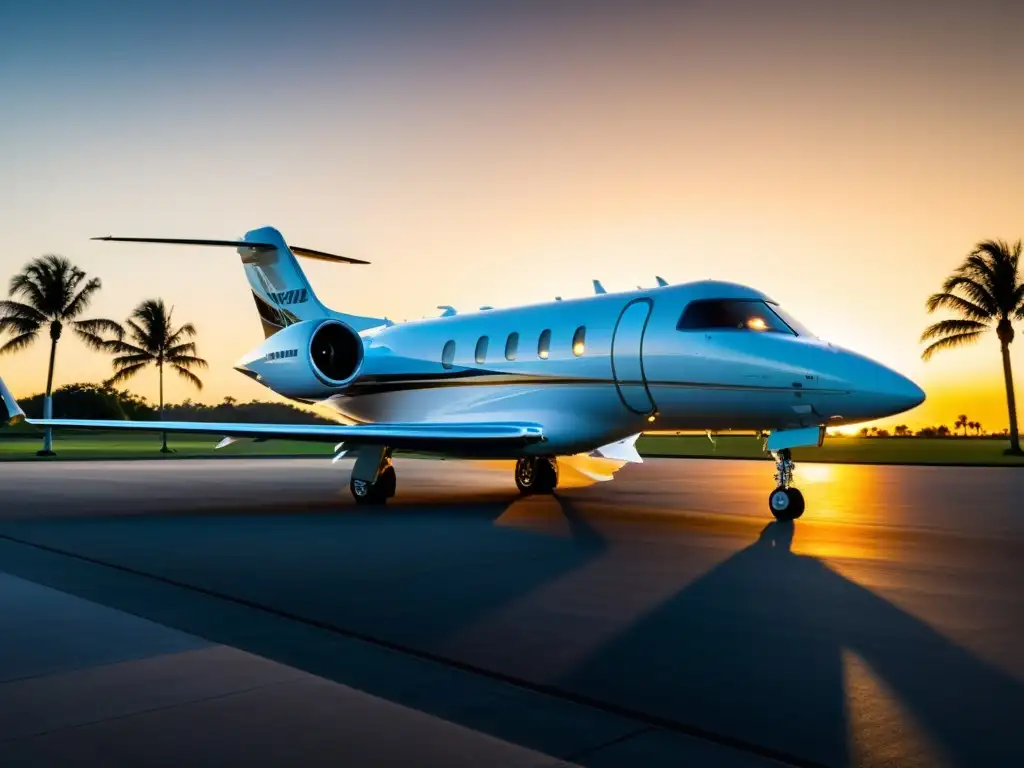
x,y
738,315
799,328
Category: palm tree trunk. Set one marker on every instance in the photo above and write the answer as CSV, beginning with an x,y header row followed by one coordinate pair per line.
x,y
48,402
1011,400
160,368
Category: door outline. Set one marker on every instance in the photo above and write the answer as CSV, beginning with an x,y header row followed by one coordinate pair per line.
x,y
652,408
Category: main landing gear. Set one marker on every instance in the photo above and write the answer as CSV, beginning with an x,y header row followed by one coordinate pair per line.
x,y
536,474
373,476
785,502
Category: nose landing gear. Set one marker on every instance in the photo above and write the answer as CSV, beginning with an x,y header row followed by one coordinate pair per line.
x,y
785,502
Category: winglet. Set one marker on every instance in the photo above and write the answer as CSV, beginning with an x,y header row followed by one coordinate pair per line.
x,y
14,412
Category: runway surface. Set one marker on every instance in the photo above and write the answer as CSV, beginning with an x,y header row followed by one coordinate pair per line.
x,y
632,622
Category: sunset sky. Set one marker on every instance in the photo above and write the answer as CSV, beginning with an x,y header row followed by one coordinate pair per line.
x,y
841,157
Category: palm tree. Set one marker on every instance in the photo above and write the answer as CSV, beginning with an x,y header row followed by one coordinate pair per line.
x,y
985,290
153,340
900,430
51,291
961,421
977,428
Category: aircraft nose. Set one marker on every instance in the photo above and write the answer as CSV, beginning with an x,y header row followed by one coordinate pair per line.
x,y
902,393
871,390
885,391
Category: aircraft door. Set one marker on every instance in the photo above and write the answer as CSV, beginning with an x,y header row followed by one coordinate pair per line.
x,y
627,357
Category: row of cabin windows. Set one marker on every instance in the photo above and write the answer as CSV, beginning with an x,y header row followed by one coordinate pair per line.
x,y
512,347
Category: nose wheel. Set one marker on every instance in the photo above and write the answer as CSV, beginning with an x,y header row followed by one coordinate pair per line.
x,y
785,502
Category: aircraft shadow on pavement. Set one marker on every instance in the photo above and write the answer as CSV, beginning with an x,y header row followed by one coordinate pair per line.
x,y
755,649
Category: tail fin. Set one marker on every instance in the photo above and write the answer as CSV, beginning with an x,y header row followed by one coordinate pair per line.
x,y
281,291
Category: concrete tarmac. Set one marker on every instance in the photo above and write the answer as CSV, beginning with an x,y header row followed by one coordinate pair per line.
x,y
657,619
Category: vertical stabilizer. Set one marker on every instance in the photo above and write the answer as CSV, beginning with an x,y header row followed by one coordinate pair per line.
x,y
279,287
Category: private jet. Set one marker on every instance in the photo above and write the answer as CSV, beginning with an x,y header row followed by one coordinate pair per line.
x,y
571,383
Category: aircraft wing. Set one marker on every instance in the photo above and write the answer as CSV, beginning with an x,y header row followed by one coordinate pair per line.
x,y
425,436
440,436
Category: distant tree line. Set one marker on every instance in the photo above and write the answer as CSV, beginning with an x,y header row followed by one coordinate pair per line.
x,y
902,430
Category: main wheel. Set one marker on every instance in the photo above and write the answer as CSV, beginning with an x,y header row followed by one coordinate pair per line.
x,y
536,474
375,493
786,503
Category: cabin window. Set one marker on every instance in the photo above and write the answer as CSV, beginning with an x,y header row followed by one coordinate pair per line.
x,y
448,354
481,350
579,341
511,346
732,314
544,345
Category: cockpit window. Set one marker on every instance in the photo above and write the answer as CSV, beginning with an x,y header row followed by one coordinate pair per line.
x,y
733,314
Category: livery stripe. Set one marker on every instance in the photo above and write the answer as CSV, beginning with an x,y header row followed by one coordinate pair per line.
x,y
365,387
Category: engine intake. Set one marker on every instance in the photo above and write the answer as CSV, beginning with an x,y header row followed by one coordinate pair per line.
x,y
336,352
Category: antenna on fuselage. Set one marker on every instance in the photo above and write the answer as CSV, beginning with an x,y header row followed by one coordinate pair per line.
x,y
662,282
598,288
448,311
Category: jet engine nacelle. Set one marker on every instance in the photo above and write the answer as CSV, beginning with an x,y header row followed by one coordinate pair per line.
x,y
312,359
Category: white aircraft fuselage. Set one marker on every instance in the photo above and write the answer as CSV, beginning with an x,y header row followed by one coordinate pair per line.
x,y
636,371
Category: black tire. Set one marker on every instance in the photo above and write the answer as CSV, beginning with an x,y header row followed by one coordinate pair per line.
x,y
786,503
536,474
387,482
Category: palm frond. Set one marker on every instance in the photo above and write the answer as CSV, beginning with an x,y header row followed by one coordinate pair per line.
x,y
119,347
188,348
24,286
998,262
140,335
186,331
188,376
127,360
186,361
949,342
10,308
18,325
1018,302
952,328
100,325
19,342
80,301
124,374
974,290
92,340
957,304
92,332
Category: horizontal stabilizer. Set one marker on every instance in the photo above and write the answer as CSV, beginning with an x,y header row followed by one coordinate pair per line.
x,y
309,253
